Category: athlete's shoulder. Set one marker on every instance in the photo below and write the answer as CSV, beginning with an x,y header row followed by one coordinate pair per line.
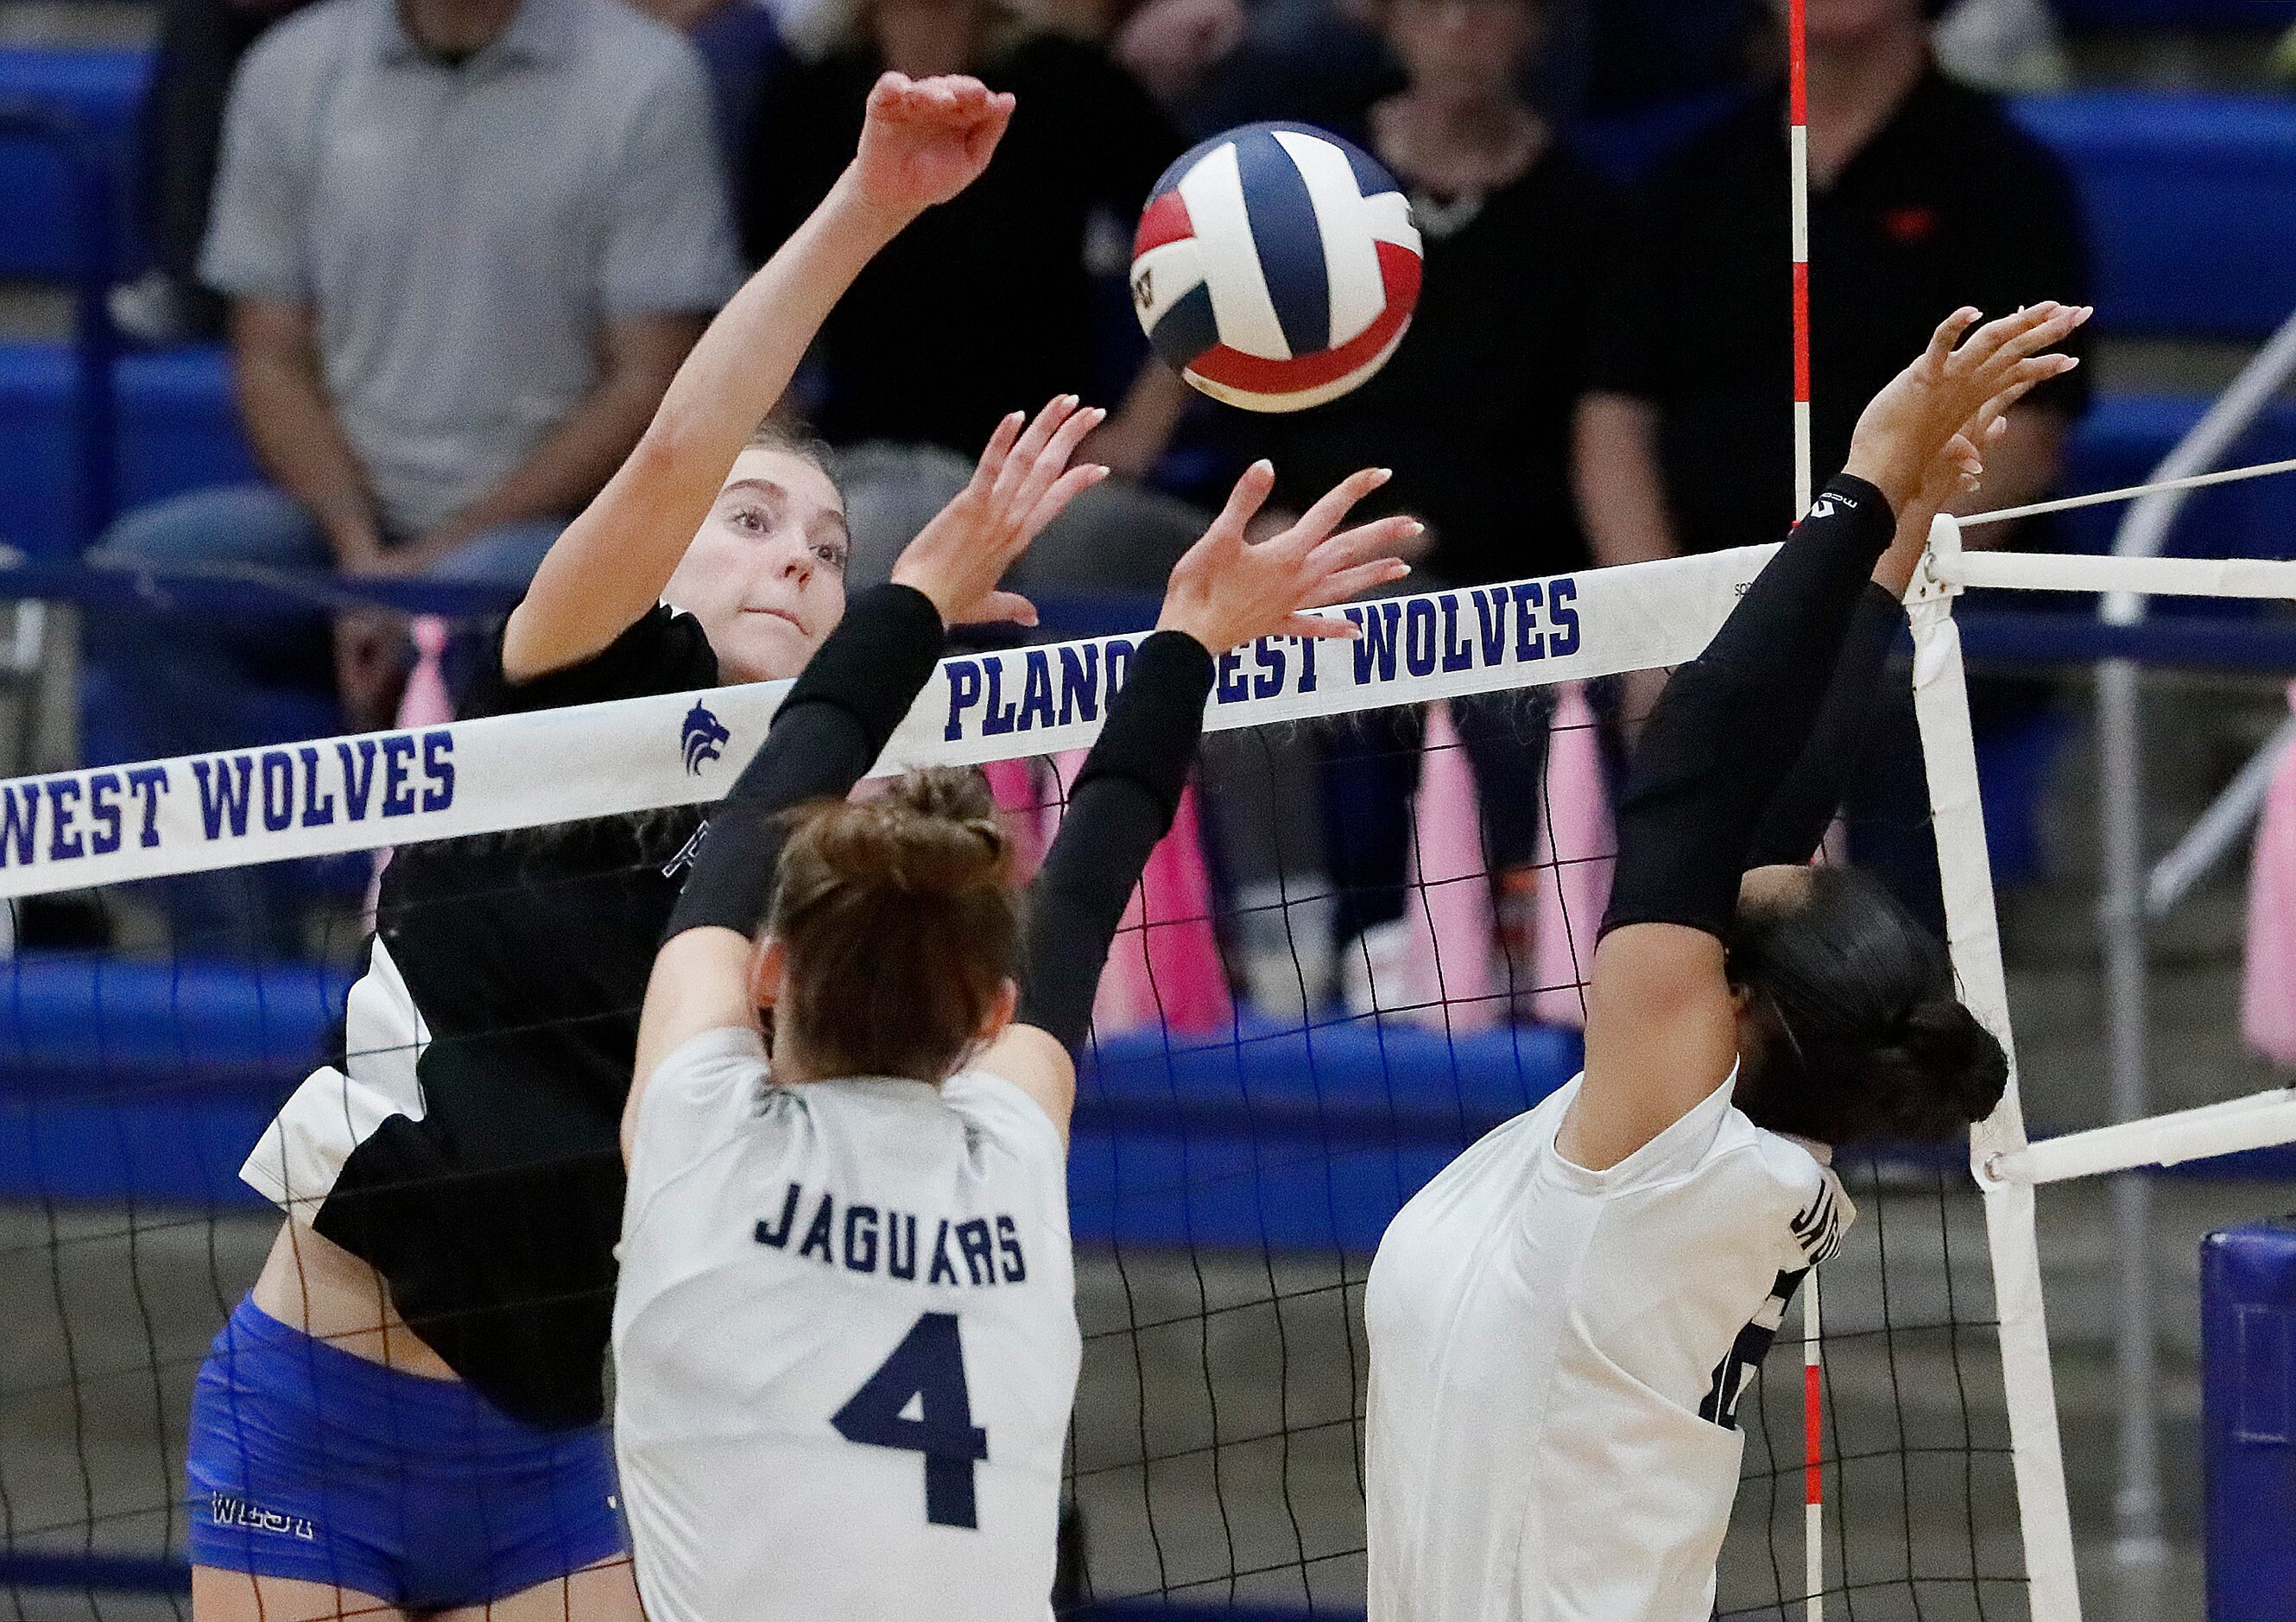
x,y
996,1114
712,1093
1491,1170
1804,1192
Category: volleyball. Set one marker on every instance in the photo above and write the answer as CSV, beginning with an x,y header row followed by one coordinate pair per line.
x,y
1276,266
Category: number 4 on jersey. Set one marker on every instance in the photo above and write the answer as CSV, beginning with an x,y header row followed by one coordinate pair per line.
x,y
927,1369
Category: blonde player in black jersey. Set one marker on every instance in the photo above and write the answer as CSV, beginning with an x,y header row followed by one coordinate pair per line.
x,y
414,1389
845,1337
1561,1322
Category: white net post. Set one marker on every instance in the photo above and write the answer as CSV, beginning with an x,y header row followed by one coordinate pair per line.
x,y
1973,929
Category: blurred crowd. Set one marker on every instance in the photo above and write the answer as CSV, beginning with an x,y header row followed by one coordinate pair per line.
x,y
458,247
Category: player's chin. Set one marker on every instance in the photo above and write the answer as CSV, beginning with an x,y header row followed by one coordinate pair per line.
x,y
766,646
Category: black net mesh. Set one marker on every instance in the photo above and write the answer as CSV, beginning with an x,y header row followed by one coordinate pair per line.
x,y
1307,1033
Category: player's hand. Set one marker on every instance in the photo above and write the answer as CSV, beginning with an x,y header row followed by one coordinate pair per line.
x,y
1914,419
1023,484
1956,473
1227,591
924,140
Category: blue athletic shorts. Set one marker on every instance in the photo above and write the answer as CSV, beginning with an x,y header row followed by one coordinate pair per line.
x,y
307,1461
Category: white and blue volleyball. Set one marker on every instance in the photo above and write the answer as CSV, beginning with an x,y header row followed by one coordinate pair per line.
x,y
1276,266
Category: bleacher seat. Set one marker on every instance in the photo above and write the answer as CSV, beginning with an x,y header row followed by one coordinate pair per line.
x,y
177,428
1289,1138
151,1081
103,91
179,432
2122,441
2190,202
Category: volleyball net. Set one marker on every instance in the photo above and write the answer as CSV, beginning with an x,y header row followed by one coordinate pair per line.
x,y
1364,946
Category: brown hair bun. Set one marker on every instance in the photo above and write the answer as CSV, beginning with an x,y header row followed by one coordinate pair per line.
x,y
900,925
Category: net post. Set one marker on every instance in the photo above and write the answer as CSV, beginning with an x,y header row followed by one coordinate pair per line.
x,y
2127,943
1973,927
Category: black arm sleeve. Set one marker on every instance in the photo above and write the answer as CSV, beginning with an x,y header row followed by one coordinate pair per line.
x,y
827,734
1123,803
1735,718
1799,812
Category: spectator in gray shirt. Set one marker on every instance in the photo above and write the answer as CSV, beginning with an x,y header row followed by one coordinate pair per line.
x,y
466,242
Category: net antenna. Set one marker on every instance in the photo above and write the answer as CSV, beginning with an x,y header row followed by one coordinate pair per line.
x,y
1812,1320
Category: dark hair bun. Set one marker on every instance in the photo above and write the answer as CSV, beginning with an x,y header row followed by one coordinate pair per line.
x,y
1943,1067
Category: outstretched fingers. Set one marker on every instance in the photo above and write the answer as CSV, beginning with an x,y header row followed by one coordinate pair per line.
x,y
1378,540
1321,628
1052,463
2027,376
994,455
1345,585
1320,520
2001,346
1244,501
1945,341
1030,445
2038,345
1054,501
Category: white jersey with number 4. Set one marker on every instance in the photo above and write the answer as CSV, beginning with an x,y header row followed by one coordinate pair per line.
x,y
845,1344
1556,1360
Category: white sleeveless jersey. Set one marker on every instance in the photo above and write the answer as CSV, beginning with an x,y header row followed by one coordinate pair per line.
x,y
1556,1360
845,1345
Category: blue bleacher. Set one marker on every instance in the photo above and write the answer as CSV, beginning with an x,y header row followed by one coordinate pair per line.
x,y
2191,205
151,1082
2192,202
103,91
2122,440
177,432
148,1082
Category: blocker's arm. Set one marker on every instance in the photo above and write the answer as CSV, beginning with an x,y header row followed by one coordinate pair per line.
x,y
1222,593
827,734
1661,1029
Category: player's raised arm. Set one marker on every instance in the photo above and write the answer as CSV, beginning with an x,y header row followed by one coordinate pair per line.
x,y
832,726
923,142
1225,592
1662,1021
1803,806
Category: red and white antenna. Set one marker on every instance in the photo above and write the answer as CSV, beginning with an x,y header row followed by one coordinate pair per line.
x,y
1813,1407
1797,151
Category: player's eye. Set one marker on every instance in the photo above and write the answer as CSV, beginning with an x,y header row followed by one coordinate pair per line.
x,y
749,520
832,552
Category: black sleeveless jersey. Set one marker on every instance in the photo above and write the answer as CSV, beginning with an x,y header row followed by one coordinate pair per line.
x,y
489,1192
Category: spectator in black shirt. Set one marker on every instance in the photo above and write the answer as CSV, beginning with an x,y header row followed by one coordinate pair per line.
x,y
1473,414
1923,197
989,302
